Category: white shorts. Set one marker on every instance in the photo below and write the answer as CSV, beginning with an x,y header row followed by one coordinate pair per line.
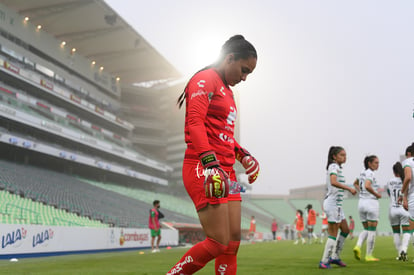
x,y
310,226
334,213
324,226
368,210
398,216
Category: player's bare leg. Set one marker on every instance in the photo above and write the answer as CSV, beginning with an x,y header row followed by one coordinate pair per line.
x,y
226,264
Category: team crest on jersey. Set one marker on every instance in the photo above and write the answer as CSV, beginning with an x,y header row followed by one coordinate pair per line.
x,y
210,95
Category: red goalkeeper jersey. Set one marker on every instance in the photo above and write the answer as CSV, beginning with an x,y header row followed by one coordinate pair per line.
x,y
210,117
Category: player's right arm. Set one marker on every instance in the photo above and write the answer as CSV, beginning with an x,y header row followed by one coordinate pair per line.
x,y
356,185
404,190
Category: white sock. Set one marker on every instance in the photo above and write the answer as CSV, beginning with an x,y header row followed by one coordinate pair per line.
x,y
397,242
329,248
362,236
339,245
371,242
314,236
405,241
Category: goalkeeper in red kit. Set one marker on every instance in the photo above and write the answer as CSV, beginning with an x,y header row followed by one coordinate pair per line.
x,y
210,155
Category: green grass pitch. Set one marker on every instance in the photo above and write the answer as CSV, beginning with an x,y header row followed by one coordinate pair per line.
x,y
261,258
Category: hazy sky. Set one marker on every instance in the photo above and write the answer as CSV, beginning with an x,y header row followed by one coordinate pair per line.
x,y
328,73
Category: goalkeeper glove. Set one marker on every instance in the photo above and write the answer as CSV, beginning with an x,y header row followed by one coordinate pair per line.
x,y
216,181
249,163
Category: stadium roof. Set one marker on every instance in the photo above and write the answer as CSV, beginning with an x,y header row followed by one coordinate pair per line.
x,y
101,35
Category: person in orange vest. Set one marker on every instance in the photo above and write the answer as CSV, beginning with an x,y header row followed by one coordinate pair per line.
x,y
252,229
311,223
324,228
300,226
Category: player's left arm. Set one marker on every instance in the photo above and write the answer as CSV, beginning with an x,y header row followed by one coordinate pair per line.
x,y
248,161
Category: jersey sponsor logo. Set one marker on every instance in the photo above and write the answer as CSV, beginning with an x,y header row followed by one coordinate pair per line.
x,y
201,83
222,90
198,93
231,118
226,138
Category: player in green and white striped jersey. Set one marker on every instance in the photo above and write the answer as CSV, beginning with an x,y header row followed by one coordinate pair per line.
x,y
368,207
335,183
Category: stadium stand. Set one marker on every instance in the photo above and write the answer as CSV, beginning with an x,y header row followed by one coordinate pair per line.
x,y
280,208
75,196
184,205
17,210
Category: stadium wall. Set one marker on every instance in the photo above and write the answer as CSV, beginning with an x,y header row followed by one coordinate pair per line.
x,y
20,241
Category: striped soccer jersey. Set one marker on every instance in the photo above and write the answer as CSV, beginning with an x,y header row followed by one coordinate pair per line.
x,y
410,163
334,195
365,175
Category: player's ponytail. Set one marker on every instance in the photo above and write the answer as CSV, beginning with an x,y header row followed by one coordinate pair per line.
x,y
333,151
398,170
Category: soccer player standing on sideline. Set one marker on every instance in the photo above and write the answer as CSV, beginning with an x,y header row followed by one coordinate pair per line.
x,y
407,191
332,205
273,228
368,207
210,156
324,227
154,226
351,227
311,223
399,217
252,229
300,226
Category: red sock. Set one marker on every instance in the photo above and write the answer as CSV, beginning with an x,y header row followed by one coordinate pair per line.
x,y
226,263
197,257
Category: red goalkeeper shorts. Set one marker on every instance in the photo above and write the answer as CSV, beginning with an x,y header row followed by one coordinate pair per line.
x,y
193,179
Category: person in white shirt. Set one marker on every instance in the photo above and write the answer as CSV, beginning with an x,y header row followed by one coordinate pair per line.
x,y
368,207
332,206
398,216
407,191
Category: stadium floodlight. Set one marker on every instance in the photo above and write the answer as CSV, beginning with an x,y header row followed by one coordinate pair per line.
x,y
93,62
39,27
101,68
26,19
